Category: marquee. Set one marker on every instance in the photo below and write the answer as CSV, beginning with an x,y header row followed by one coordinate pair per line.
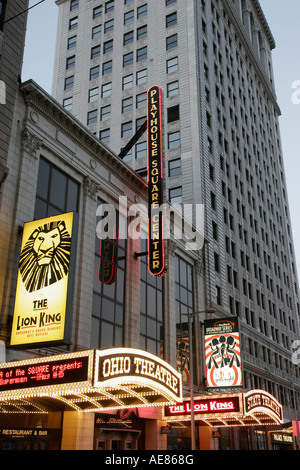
x,y
88,381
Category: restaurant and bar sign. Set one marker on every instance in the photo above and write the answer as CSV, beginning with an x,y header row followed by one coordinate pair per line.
x,y
45,282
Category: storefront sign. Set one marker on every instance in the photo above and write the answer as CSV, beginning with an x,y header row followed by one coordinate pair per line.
x,y
282,438
256,400
223,354
156,243
45,279
205,406
138,367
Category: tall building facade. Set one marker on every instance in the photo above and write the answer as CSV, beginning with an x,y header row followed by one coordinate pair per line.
x,y
213,61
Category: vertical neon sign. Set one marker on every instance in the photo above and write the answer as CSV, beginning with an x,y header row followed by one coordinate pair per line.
x,y
156,242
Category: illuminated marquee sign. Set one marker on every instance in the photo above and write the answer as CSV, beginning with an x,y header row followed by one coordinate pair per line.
x,y
258,400
156,243
205,406
45,279
139,368
223,354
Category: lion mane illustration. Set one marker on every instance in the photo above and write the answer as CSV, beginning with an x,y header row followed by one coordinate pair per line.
x,y
45,257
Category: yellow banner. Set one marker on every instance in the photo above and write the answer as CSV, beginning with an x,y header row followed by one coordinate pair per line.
x,y
43,276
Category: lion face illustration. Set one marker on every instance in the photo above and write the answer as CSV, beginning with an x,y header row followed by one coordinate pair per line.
x,y
45,257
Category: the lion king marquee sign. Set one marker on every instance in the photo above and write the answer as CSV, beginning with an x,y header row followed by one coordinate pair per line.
x,y
45,279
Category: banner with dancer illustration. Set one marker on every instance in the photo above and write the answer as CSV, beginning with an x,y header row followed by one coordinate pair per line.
x,y
223,354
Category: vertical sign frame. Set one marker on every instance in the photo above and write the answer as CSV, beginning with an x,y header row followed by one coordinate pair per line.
x,y
156,242
223,362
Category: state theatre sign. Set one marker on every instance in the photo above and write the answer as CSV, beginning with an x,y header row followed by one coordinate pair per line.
x,y
89,381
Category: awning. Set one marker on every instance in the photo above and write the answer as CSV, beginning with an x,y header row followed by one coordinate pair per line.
x,y
252,408
88,381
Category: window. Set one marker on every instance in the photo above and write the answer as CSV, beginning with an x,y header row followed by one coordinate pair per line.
x,y
127,59
72,42
141,150
171,20
69,83
56,191
127,105
74,4
141,100
126,129
172,89
174,140
172,65
67,103
93,94
109,6
129,17
170,2
141,32
175,167
173,113
97,12
108,46
151,308
108,296
141,76
107,67
95,52
92,117
108,26
142,11
94,72
127,82
73,23
106,90
105,112
104,135
70,63
175,195
96,31
141,54
128,38
171,42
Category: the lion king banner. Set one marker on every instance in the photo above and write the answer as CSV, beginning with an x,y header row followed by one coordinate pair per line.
x,y
45,272
223,354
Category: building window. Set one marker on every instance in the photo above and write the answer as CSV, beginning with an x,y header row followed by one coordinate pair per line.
x,y
93,94
175,195
69,83
96,31
127,59
171,20
56,191
105,112
141,150
171,42
108,46
127,82
97,12
106,90
109,295
109,6
127,105
184,304
129,17
175,167
141,32
142,11
95,52
70,62
172,65
92,117
141,100
141,77
72,42
94,72
107,67
126,130
174,140
74,4
104,135
67,103
73,23
170,2
173,113
151,308
141,54
172,89
128,38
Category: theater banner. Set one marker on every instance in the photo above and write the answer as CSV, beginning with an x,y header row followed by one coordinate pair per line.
x,y
156,242
45,280
223,354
